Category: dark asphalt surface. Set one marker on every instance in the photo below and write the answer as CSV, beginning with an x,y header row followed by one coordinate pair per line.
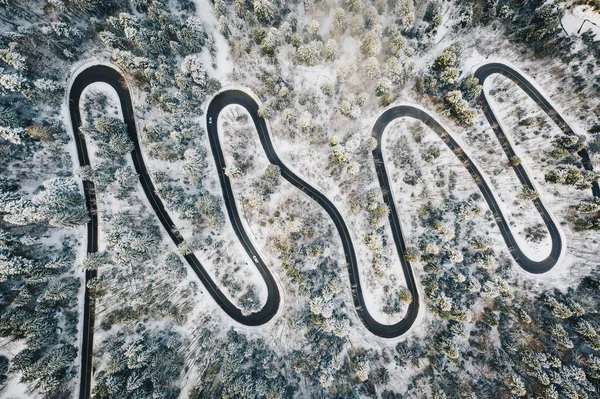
x,y
531,266
241,98
419,114
484,71
388,331
112,77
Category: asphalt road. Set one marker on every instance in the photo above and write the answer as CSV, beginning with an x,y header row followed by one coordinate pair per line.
x,y
384,330
484,71
241,98
112,77
419,114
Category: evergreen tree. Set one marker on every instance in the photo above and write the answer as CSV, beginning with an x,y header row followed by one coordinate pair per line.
x,y
94,260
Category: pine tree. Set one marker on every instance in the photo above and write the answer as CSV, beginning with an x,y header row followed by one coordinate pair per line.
x,y
94,260
110,126
559,334
287,31
62,290
586,329
517,386
224,26
371,68
470,88
394,71
61,262
127,180
309,54
124,59
209,207
449,76
220,8
589,207
59,192
265,11
13,266
433,16
13,58
8,117
447,347
330,50
110,39
59,359
60,203
528,194
192,66
371,45
46,89
568,142
14,135
558,309
409,20
340,23
121,144
397,45
445,60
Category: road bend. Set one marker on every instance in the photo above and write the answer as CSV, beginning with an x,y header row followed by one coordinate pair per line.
x,y
485,71
112,77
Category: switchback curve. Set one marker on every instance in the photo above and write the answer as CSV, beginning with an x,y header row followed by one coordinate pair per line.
x,y
110,76
238,97
243,99
100,73
485,71
522,260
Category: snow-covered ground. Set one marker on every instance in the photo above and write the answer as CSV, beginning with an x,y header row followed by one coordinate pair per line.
x,y
574,18
230,268
309,157
219,64
418,178
554,80
124,283
530,143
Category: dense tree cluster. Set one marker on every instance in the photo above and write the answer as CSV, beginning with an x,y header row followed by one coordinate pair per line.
x,y
38,292
243,368
533,23
59,203
34,295
148,366
526,363
444,84
536,24
147,43
588,215
572,176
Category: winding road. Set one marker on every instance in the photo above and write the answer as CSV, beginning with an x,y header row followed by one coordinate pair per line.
x,y
486,70
112,77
